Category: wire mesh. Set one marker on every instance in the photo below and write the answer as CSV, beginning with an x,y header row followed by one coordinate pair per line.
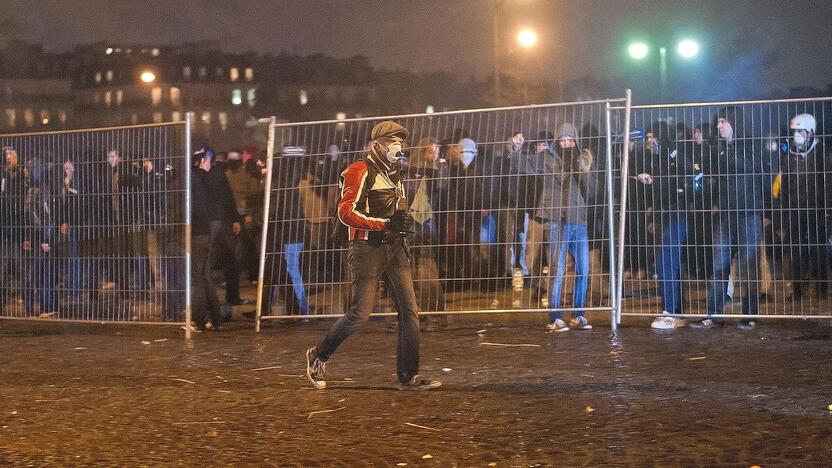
x,y
728,209
484,188
92,225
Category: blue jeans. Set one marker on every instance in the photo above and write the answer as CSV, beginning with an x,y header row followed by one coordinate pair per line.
x,y
291,255
742,231
673,232
575,239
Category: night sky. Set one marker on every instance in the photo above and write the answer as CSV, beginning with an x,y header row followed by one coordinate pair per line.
x,y
749,47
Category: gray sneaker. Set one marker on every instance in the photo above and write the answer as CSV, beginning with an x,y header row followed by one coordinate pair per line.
x,y
315,369
418,383
705,323
580,323
747,324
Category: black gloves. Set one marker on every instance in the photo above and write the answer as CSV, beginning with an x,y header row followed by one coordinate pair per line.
x,y
401,222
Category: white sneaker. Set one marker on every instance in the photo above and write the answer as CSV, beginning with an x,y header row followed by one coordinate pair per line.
x,y
580,323
557,326
666,322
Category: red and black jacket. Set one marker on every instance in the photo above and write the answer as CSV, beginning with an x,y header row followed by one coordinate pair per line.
x,y
371,191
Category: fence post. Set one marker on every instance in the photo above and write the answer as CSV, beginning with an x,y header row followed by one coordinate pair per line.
x,y
188,170
611,222
265,230
625,161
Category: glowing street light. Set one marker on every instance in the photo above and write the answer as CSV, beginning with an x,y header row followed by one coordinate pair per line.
x,y
688,48
638,50
527,38
148,76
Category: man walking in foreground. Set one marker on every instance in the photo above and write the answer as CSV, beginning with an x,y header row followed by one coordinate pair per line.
x,y
372,208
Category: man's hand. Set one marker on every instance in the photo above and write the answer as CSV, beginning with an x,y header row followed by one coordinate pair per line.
x,y
645,178
401,222
236,228
64,229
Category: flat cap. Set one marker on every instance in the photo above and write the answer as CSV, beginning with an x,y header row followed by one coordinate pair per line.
x,y
388,128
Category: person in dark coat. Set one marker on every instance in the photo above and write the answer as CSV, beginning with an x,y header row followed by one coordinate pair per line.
x,y
38,240
205,305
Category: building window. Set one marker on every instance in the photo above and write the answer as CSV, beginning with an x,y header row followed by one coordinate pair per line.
x,y
236,97
303,97
249,74
96,99
44,117
119,97
175,116
62,116
108,98
156,95
206,118
219,72
203,72
157,117
134,119
175,96
109,75
186,73
234,74
251,97
97,77
11,117
154,52
223,119
108,50
28,117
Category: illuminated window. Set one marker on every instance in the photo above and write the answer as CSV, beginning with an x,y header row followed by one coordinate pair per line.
x,y
109,75
249,74
108,98
186,73
219,72
223,119
44,117
175,96
108,50
119,97
62,116
11,117
340,116
236,97
203,72
303,97
234,74
96,98
98,77
175,116
134,119
28,117
206,118
156,95
251,97
157,117
154,52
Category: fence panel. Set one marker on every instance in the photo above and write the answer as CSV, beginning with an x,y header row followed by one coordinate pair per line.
x,y
730,216
93,224
486,201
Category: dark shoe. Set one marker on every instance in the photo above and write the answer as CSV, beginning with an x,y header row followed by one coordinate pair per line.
x,y
237,302
705,323
315,369
747,324
418,383
249,315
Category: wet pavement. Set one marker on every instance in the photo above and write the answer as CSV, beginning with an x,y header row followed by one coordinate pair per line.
x,y
512,396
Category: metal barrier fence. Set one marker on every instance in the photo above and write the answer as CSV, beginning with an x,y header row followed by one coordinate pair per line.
x,y
485,190
728,209
94,224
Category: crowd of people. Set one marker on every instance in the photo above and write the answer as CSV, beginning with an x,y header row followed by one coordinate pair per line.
x,y
510,220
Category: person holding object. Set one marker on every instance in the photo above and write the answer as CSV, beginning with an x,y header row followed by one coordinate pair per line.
x,y
373,219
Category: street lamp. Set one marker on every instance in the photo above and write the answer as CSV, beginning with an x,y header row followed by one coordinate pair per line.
x,y
148,76
527,38
688,48
638,50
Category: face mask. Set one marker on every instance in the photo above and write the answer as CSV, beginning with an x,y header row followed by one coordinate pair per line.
x,y
468,158
393,152
234,164
799,138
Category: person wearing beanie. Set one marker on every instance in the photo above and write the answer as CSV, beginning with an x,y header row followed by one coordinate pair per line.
x,y
373,212
738,189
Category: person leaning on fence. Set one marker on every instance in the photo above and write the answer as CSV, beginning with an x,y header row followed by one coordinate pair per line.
x,y
244,187
38,234
12,193
372,210
568,187
806,195
738,191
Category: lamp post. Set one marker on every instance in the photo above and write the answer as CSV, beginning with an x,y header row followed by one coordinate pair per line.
x,y
687,49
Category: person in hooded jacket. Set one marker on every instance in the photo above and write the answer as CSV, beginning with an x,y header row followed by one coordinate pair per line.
x,y
12,194
38,235
806,196
739,187
205,305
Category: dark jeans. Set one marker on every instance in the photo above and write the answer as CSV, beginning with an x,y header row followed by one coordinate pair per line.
x,y
367,265
204,293
39,274
743,232
222,249
672,233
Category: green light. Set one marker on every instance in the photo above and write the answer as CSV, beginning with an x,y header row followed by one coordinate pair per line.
x,y
638,50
